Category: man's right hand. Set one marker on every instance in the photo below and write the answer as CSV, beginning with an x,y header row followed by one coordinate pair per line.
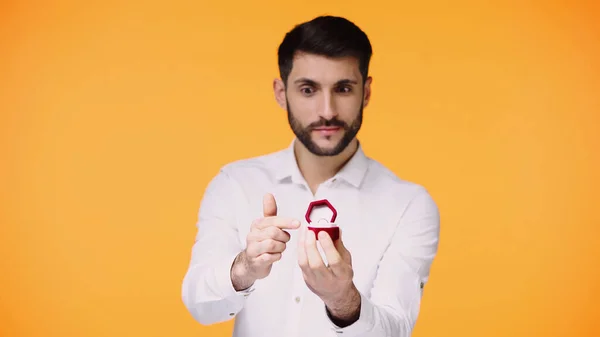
x,y
264,245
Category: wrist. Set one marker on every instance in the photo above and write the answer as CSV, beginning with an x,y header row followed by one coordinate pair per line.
x,y
241,278
345,310
343,296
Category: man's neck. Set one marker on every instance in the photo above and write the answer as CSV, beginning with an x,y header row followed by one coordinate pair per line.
x,y
317,169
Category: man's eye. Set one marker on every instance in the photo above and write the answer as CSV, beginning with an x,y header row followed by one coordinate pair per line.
x,y
344,89
306,90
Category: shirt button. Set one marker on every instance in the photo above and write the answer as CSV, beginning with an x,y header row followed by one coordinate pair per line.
x,y
297,299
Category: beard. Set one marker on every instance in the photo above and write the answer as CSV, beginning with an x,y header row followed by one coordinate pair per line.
x,y
303,133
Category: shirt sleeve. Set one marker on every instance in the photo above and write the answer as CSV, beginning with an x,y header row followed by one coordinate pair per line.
x,y
207,289
395,299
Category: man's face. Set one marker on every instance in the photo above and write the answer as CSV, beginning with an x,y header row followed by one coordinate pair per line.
x,y
324,100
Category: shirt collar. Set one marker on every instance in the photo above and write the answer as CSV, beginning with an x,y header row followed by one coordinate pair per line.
x,y
353,172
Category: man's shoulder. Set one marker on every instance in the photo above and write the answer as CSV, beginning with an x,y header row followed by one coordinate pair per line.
x,y
260,164
382,178
399,195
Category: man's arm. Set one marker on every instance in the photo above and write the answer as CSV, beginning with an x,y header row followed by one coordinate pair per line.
x,y
395,300
207,290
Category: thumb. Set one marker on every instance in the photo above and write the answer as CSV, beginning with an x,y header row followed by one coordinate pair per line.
x,y
339,244
341,248
269,205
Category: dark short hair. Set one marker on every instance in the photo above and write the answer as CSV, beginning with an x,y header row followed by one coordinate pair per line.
x,y
330,36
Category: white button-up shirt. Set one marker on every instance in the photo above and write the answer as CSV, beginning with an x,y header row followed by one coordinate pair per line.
x,y
390,226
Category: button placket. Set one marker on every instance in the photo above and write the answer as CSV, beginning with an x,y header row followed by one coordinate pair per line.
x,y
295,305
296,300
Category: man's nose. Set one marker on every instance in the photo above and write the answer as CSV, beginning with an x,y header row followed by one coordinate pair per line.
x,y
327,110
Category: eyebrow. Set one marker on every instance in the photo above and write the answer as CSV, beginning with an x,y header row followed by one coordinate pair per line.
x,y
304,80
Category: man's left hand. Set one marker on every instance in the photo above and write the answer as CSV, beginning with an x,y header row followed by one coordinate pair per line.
x,y
333,282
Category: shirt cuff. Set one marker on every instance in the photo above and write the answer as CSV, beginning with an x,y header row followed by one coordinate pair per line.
x,y
224,282
364,323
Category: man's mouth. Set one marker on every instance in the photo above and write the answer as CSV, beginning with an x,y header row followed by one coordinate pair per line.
x,y
327,130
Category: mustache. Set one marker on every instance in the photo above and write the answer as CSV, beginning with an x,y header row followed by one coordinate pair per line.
x,y
325,123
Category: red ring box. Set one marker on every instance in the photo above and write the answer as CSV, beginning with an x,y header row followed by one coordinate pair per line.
x,y
331,228
334,232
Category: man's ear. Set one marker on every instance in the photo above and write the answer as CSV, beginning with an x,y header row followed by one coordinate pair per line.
x,y
279,91
367,91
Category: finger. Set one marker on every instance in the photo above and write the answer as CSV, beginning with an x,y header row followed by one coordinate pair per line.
x,y
273,233
270,246
257,248
315,261
279,222
341,248
339,243
268,258
255,223
302,258
334,259
269,205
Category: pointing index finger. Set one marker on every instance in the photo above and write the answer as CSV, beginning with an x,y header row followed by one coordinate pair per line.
x,y
279,222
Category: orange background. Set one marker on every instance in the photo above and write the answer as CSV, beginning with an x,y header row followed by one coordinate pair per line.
x,y
114,117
